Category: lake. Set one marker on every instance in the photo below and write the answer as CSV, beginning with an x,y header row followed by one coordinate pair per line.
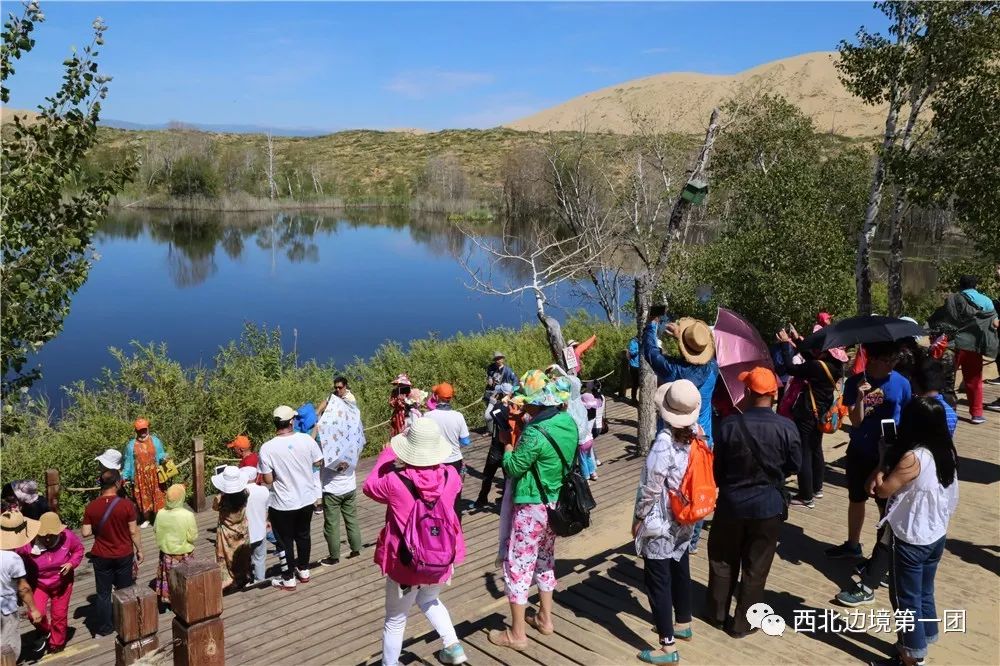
x,y
337,283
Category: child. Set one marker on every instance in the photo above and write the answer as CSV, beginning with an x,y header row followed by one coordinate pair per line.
x,y
232,539
588,457
176,532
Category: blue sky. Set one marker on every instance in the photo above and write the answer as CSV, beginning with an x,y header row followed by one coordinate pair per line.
x,y
425,65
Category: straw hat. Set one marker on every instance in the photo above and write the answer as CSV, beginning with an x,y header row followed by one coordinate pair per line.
x,y
695,340
678,403
49,524
423,445
229,480
110,459
16,530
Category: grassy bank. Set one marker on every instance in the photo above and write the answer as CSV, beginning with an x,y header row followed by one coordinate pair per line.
x,y
248,379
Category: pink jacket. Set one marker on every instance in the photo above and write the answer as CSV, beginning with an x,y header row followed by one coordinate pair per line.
x,y
384,486
44,567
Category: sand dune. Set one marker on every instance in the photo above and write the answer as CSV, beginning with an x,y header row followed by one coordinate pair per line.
x,y
682,101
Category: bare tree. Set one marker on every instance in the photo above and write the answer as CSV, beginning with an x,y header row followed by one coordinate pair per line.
x,y
529,262
269,171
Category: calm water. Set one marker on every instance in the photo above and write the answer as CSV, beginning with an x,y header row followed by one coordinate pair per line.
x,y
344,282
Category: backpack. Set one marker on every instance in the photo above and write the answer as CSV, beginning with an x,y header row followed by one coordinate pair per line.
x,y
833,419
430,536
572,512
695,498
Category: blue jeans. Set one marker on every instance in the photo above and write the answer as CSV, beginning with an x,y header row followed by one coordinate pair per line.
x,y
258,559
912,589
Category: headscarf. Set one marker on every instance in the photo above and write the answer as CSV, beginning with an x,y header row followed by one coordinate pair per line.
x,y
26,491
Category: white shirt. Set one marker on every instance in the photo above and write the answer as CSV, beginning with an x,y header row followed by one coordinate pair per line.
x,y
290,459
257,511
918,513
11,567
453,428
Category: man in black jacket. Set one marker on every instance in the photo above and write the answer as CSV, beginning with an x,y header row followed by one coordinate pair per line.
x,y
754,452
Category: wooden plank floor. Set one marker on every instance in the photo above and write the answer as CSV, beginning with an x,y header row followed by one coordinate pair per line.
x,y
602,613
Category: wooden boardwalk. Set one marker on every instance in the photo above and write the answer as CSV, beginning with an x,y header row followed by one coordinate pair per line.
x,y
602,616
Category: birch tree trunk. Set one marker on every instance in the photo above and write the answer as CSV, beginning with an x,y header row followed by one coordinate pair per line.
x,y
646,426
553,330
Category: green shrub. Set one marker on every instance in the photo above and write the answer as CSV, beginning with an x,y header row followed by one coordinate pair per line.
x,y
249,378
194,176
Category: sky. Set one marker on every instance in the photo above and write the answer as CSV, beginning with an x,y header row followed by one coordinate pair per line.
x,y
432,66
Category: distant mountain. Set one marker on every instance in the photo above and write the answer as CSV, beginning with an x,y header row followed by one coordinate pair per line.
x,y
226,128
682,102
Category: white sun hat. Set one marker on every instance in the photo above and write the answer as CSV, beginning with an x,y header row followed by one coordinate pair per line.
x,y
229,480
678,403
423,445
110,459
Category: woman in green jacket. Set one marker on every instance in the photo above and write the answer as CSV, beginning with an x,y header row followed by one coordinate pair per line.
x,y
176,532
531,551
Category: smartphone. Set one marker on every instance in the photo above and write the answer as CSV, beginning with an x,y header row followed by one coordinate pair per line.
x,y
657,311
889,430
219,468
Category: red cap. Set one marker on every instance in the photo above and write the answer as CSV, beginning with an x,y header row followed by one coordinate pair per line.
x,y
444,391
761,381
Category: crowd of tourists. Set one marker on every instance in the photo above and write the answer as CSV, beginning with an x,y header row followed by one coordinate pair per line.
x,y
718,453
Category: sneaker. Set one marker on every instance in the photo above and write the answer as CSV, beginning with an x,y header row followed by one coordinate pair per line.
x,y
818,494
144,525
282,584
992,382
798,501
302,575
692,549
978,420
993,406
598,463
885,581
593,477
40,645
856,597
329,562
844,551
453,654
354,553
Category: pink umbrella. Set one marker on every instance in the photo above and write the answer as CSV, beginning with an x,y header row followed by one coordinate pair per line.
x,y
738,347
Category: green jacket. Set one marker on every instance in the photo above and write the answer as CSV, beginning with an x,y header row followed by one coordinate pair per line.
x,y
970,328
533,448
176,529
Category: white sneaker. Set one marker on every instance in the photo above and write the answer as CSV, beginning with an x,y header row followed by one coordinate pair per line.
x,y
144,525
282,584
302,575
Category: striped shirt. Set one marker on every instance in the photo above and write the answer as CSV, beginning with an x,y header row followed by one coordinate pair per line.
x,y
949,414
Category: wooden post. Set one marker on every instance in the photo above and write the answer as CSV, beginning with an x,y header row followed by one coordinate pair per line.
x,y
198,474
52,489
136,620
196,598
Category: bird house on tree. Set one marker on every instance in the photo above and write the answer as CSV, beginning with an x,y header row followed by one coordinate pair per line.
x,y
695,191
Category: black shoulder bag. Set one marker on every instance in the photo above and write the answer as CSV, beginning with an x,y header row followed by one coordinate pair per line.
x,y
780,486
572,512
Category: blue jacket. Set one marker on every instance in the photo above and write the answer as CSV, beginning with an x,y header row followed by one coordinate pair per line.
x,y
128,464
670,369
633,352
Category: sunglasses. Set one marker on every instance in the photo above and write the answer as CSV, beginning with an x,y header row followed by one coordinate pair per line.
x,y
339,388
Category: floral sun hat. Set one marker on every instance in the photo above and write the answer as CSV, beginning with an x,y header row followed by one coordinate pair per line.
x,y
538,390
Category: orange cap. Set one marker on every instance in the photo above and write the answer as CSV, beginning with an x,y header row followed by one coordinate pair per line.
x,y
760,380
444,391
240,442
141,424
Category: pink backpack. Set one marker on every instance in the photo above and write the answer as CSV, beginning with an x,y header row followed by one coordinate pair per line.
x,y
430,536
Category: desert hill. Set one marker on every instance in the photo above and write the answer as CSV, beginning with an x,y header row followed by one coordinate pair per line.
x,y
682,101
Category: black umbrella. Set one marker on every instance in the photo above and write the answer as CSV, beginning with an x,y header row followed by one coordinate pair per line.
x,y
860,330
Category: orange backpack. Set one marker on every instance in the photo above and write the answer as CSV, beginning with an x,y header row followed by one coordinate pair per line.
x,y
696,496
833,419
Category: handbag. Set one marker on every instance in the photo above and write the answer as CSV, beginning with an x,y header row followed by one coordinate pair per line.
x,y
780,487
166,470
571,514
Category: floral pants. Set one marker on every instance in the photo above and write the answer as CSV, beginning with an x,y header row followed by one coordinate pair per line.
x,y
531,553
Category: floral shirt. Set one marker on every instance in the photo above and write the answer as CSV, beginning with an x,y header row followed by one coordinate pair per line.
x,y
660,537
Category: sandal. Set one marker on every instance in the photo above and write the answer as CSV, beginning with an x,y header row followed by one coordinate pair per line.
x,y
532,621
659,657
504,639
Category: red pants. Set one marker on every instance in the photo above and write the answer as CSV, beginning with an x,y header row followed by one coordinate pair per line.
x,y
971,364
57,621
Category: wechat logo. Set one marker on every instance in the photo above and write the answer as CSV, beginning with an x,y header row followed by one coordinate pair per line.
x,y
761,616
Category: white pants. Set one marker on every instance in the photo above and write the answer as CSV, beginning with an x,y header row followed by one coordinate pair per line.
x,y
398,603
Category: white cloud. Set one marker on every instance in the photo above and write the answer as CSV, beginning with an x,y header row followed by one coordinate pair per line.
x,y
658,50
420,84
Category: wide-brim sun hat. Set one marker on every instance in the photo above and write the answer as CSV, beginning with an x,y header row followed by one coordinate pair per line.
x,y
49,524
422,446
229,480
694,338
402,379
110,459
16,530
678,403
